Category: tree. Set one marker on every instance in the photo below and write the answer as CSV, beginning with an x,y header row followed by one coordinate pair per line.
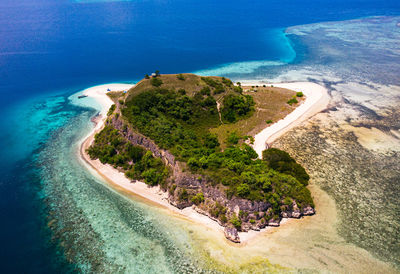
x,y
157,73
215,160
211,141
146,76
236,106
135,153
243,190
193,163
281,161
233,138
250,151
152,177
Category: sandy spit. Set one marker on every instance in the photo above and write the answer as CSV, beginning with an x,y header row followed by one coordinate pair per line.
x,y
317,99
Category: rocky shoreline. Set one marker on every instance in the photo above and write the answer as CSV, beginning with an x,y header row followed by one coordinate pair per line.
x,y
254,215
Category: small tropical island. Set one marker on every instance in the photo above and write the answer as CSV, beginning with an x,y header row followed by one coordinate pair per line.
x,y
192,138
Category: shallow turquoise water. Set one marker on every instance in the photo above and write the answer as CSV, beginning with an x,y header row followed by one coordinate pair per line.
x,y
98,229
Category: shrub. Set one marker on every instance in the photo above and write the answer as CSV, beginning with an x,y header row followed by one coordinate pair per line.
x,y
227,82
198,198
211,141
180,77
218,90
111,110
243,190
156,82
203,162
292,101
147,76
183,195
135,153
218,210
299,94
236,107
267,187
152,177
205,91
223,218
211,82
238,89
229,193
233,138
251,140
172,189
236,222
248,177
269,121
288,201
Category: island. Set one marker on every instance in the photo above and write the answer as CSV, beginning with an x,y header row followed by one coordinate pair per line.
x,y
193,139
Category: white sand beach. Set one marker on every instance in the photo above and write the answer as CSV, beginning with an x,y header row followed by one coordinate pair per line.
x,y
316,100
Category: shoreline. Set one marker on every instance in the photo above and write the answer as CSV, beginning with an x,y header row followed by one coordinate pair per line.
x,y
317,99
155,195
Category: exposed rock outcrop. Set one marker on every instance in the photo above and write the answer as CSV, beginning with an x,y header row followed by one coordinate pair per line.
x,y
231,234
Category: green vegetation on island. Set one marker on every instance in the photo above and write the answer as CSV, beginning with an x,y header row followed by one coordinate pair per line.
x,y
180,114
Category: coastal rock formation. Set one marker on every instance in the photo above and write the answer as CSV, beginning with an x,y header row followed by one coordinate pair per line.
x,y
231,234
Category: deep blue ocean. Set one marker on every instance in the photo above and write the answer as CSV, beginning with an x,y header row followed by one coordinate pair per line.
x,y
52,49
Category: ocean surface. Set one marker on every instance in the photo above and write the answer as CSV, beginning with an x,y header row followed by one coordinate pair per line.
x,y
57,216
